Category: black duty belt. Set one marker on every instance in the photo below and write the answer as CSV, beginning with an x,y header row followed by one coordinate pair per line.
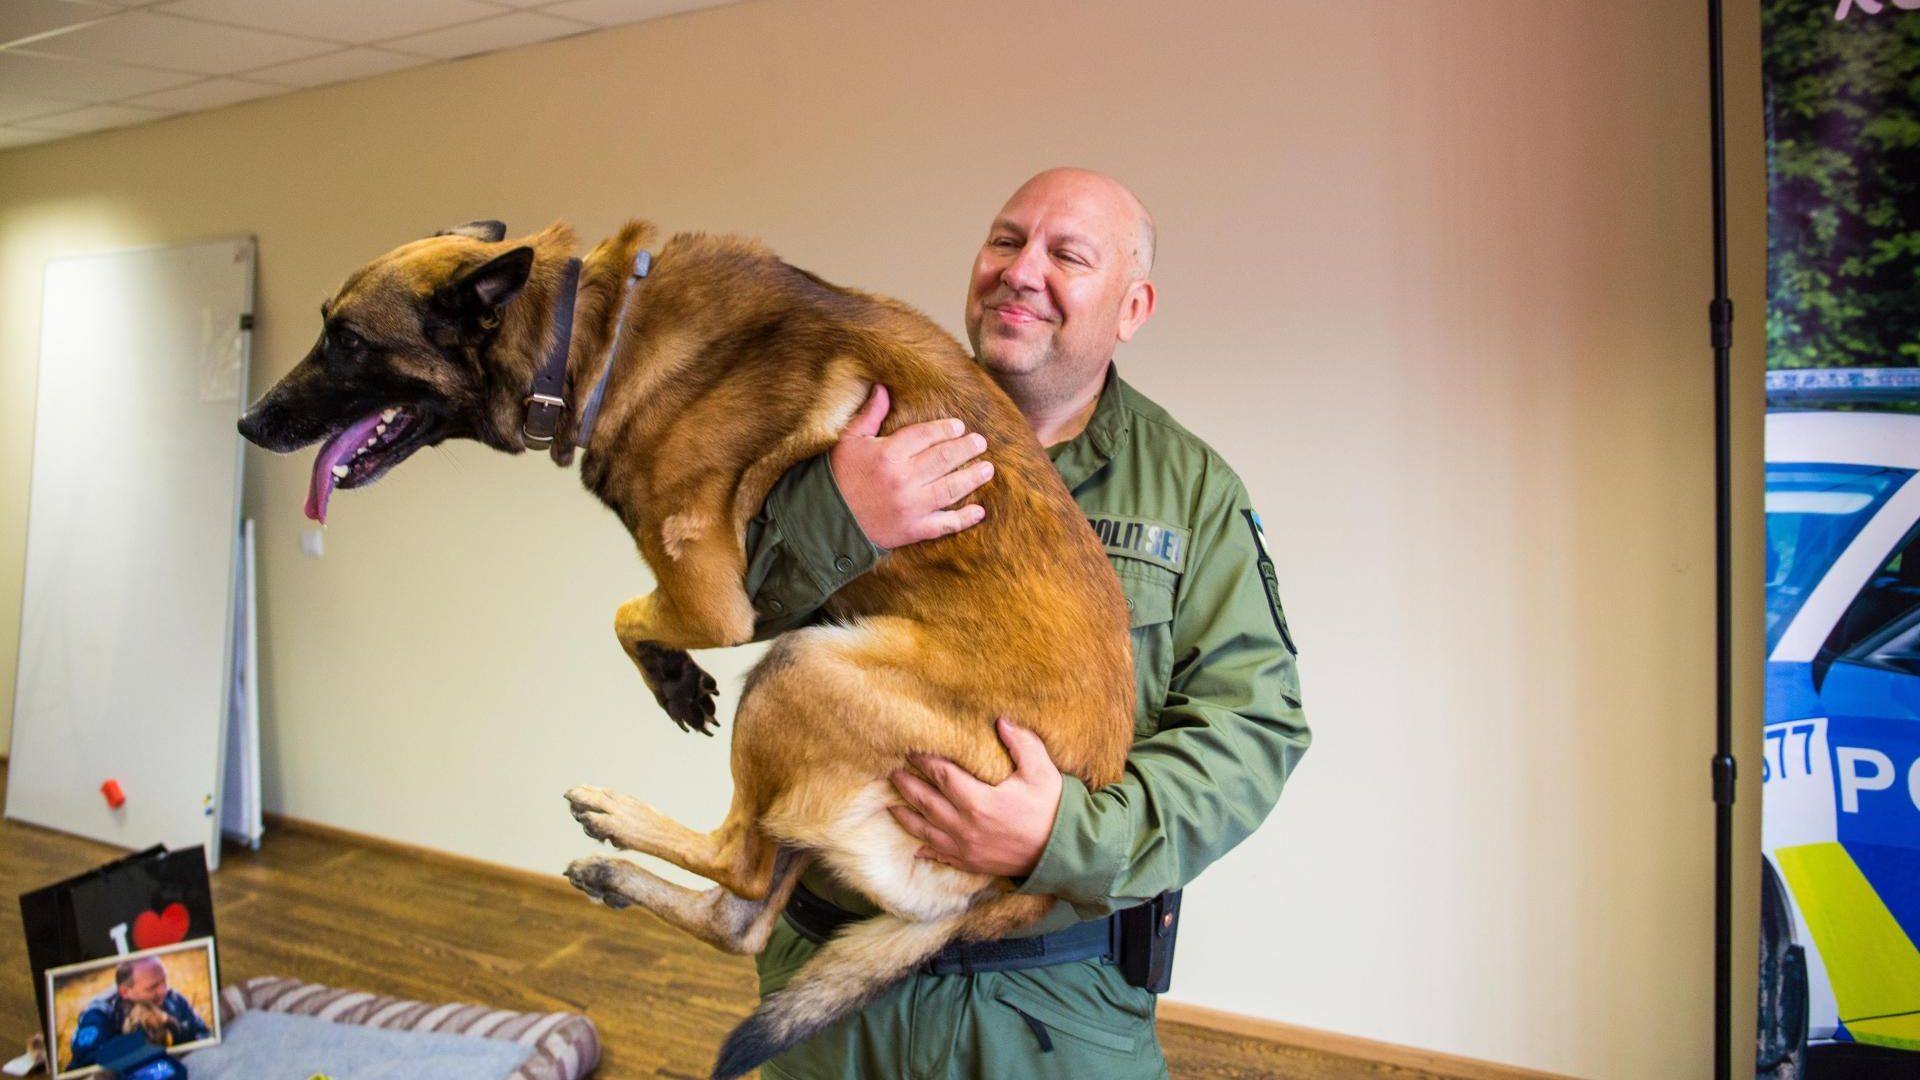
x,y
817,920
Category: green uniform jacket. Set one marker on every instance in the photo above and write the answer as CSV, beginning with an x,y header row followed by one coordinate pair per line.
x,y
1218,726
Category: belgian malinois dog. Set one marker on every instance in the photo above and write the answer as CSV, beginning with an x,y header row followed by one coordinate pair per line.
x,y
718,370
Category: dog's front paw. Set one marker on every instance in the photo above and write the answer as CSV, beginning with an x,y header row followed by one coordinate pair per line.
x,y
680,686
595,875
690,701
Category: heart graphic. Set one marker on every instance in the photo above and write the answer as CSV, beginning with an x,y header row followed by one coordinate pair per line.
x,y
169,925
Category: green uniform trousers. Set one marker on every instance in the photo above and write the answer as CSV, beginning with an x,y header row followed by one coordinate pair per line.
x,y
1087,1023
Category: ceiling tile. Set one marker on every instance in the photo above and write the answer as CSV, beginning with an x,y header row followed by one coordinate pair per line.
x,y
336,67
20,107
354,22
614,12
94,118
12,136
163,41
209,94
503,32
33,75
30,18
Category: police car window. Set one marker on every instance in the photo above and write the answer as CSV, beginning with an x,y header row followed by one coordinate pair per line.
x,y
1889,600
1813,513
1897,648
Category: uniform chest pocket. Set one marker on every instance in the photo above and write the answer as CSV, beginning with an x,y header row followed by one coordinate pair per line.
x,y
1149,590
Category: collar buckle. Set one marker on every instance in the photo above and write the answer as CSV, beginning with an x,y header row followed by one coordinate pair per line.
x,y
542,420
539,430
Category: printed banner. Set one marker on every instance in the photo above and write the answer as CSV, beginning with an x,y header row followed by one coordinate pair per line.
x,y
1840,909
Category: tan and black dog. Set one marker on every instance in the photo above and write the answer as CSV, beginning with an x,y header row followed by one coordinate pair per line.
x,y
729,367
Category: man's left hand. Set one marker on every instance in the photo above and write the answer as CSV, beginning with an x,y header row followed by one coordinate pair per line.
x,y
963,822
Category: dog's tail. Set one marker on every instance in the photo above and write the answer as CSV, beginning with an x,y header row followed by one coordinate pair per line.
x,y
859,964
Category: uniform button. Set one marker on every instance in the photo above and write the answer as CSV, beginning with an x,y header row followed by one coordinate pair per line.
x,y
843,564
1129,603
776,606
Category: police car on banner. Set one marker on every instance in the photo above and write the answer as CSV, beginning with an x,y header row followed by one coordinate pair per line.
x,y
1841,764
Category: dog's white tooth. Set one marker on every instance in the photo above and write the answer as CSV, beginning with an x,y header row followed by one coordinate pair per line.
x,y
380,429
389,414
339,472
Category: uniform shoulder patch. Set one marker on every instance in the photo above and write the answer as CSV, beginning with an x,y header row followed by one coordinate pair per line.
x,y
1269,578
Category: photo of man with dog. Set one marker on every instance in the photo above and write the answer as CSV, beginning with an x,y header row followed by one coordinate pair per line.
x,y
159,994
1061,279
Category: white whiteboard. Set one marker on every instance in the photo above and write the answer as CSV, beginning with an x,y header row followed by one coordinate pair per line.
x,y
126,633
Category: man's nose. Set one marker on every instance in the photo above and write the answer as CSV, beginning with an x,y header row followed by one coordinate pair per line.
x,y
1027,271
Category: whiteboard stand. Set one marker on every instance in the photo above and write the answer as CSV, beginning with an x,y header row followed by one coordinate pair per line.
x,y
239,797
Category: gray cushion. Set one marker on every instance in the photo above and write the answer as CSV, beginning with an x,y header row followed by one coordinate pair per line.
x,y
561,1046
270,1044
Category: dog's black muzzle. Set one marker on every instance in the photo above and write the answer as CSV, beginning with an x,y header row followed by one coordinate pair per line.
x,y
272,426
302,408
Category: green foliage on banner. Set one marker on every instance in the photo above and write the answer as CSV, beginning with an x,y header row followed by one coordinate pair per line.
x,y
1843,170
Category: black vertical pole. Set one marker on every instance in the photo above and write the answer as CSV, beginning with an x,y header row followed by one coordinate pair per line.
x,y
1720,316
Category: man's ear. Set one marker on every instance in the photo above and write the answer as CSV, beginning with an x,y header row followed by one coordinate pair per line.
x,y
486,288
1135,308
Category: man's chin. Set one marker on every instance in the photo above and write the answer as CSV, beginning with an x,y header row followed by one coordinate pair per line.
x,y
1001,360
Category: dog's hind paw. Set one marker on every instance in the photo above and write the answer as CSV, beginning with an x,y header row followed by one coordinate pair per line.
x,y
681,687
594,809
596,876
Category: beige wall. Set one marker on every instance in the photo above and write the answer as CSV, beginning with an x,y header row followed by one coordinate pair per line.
x,y
1433,277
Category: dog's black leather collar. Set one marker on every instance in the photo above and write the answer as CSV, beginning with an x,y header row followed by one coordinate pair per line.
x,y
545,404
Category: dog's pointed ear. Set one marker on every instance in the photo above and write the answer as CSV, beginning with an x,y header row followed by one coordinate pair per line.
x,y
468,307
487,287
490,231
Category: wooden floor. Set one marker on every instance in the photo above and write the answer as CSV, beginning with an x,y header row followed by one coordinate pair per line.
x,y
369,916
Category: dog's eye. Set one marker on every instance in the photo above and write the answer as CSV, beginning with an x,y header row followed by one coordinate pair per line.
x,y
347,339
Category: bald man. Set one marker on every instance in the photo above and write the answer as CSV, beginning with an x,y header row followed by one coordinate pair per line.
x,y
1062,279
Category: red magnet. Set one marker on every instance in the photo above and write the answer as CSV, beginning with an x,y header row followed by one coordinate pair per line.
x,y
115,797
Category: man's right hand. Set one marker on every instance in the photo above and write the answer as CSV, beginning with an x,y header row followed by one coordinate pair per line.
x,y
898,485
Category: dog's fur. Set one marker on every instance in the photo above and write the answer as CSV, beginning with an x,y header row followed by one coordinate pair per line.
x,y
151,1021
733,366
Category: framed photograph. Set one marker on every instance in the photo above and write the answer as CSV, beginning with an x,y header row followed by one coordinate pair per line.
x,y
169,995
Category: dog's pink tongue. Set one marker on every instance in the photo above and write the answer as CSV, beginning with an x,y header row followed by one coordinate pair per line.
x,y
320,486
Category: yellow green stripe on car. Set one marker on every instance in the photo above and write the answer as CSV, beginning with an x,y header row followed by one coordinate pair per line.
x,y
1896,1032
1871,963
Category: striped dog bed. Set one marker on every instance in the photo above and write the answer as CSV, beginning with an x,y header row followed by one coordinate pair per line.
x,y
560,1046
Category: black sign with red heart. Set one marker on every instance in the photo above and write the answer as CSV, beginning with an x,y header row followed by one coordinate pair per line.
x,y
145,900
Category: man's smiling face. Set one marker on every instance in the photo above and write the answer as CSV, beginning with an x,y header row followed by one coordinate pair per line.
x,y
147,985
1056,284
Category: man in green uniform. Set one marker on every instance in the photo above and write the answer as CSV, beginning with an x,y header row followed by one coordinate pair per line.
x,y
1061,280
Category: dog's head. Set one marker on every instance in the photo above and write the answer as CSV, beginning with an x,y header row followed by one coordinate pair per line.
x,y
435,340
151,1021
